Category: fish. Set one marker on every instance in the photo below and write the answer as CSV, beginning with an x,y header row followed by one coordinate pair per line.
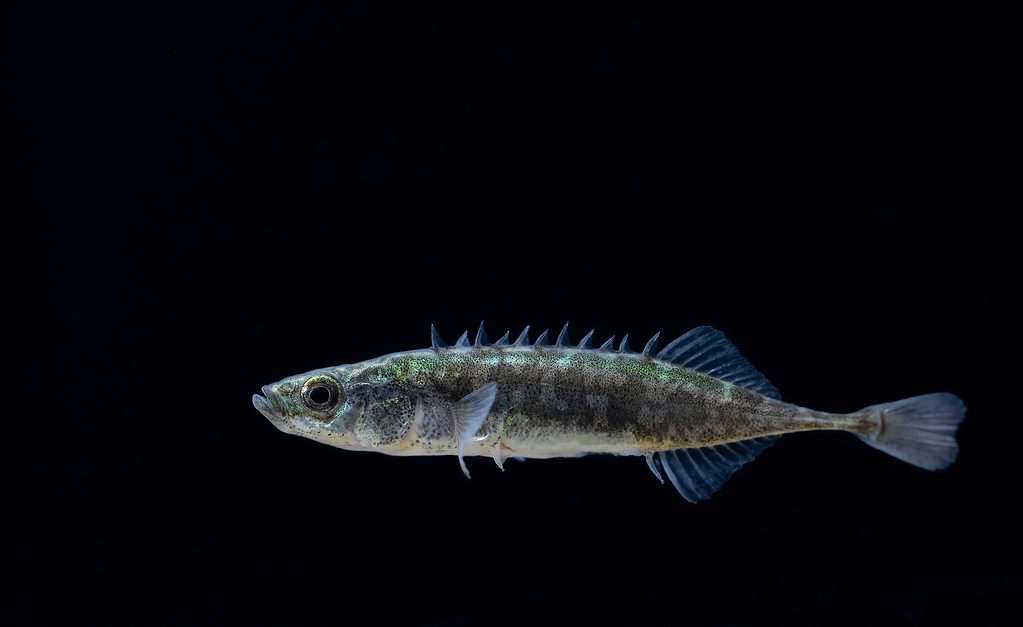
x,y
696,410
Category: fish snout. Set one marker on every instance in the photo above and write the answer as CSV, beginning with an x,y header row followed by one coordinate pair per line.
x,y
270,407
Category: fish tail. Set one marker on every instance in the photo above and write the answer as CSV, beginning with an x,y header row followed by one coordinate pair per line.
x,y
920,430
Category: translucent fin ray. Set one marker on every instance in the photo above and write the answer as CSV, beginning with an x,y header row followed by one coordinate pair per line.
x,y
563,337
651,345
920,430
709,351
469,414
436,341
697,473
703,348
587,341
523,338
652,465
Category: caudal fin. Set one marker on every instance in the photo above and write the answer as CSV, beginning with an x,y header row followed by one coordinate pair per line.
x,y
920,430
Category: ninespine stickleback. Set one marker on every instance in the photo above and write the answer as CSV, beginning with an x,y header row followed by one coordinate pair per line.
x,y
696,409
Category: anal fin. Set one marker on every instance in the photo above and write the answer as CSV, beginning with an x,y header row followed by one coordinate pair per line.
x,y
652,465
697,473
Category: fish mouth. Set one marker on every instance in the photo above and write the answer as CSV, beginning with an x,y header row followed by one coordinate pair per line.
x,y
270,408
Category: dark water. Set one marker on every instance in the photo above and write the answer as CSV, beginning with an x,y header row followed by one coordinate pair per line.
x,y
230,194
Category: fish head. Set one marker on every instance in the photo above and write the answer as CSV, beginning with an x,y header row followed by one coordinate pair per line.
x,y
320,405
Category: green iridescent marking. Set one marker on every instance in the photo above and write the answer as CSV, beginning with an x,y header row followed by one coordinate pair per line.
x,y
555,401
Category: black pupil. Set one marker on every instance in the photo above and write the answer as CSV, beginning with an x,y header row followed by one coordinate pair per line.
x,y
319,395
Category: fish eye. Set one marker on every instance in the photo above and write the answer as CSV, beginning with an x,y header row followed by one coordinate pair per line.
x,y
321,393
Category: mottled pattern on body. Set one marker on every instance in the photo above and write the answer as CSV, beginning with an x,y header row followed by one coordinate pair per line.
x,y
696,409
563,401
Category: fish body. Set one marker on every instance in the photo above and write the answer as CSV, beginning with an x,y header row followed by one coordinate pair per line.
x,y
696,407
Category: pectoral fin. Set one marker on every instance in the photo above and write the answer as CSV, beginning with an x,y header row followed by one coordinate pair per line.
x,y
469,414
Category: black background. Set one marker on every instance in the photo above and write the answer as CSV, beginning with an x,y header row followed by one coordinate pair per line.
x,y
231,193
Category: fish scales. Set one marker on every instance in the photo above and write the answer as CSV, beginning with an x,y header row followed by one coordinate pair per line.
x,y
697,410
552,399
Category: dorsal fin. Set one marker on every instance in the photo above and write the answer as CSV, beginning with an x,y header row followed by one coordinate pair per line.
x,y
697,473
624,346
586,341
481,336
523,338
463,340
708,350
563,337
436,341
651,345
609,345
541,340
503,340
